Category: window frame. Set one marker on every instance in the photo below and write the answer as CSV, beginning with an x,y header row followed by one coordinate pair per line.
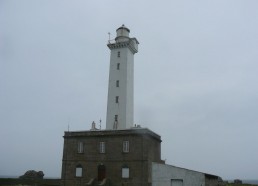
x,y
125,172
118,54
126,146
117,83
102,147
78,171
80,147
118,66
117,99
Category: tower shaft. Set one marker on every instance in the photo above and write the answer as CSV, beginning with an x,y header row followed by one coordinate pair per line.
x,y
120,106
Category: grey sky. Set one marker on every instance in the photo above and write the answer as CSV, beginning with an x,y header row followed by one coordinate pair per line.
x,y
196,77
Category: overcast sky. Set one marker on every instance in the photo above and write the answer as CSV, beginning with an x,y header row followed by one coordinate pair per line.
x,y
196,77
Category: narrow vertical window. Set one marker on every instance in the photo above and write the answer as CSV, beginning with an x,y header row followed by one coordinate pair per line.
x,y
117,99
115,122
125,172
80,147
118,54
102,148
117,83
78,171
126,146
118,66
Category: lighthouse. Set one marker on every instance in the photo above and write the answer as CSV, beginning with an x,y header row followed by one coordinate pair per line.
x,y
120,104
121,155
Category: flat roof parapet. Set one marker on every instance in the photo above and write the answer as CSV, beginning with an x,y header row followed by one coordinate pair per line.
x,y
94,133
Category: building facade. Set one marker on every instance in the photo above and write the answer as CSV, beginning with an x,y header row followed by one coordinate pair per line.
x,y
111,157
130,157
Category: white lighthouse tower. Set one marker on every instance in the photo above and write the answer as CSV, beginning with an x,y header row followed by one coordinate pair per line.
x,y
120,105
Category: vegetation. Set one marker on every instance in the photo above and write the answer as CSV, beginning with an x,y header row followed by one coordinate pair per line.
x,y
235,184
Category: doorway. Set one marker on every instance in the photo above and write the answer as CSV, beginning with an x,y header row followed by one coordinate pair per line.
x,y
176,182
101,172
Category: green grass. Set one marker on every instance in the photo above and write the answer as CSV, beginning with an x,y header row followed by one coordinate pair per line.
x,y
233,184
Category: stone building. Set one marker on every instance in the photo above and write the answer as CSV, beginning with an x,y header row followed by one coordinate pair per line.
x,y
130,157
123,154
124,157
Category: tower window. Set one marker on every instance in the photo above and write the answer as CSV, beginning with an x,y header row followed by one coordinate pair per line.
x,y
80,147
117,99
115,122
118,66
125,146
117,83
78,171
102,147
118,54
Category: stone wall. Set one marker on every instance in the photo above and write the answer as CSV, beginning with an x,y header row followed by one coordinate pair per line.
x,y
28,182
144,148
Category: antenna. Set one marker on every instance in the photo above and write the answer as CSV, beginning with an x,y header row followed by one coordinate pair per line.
x,y
100,124
109,37
68,124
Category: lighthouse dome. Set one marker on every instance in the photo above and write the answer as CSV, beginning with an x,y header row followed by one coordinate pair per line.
x,y
122,34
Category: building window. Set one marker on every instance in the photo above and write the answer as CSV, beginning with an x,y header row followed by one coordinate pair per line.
x,y
116,117
102,147
78,171
117,99
118,54
117,83
125,172
125,146
118,66
80,147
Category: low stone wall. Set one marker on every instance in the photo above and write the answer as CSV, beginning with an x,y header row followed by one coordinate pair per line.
x,y
29,182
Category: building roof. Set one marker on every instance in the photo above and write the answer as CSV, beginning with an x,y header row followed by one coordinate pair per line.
x,y
123,27
94,133
206,174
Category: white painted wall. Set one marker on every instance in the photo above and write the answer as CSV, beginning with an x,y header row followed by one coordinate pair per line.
x,y
125,75
163,175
